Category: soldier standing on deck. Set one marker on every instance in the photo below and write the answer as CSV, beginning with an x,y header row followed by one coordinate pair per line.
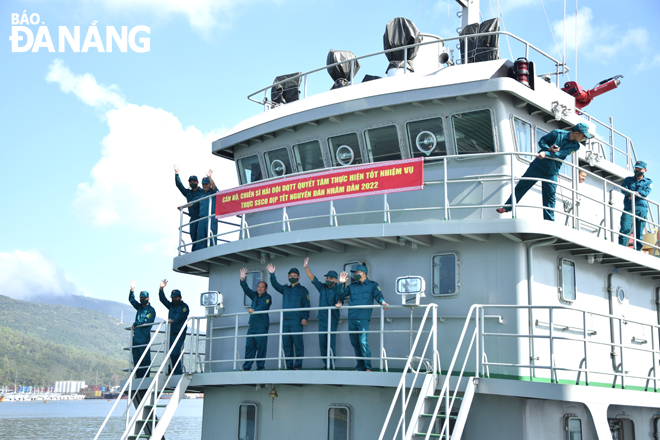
x,y
177,316
141,335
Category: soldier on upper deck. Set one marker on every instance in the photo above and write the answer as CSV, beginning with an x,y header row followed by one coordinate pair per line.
x,y
191,194
639,186
295,296
557,144
205,214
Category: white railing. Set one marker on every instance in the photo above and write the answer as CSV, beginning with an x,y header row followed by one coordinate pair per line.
x,y
567,192
560,69
607,149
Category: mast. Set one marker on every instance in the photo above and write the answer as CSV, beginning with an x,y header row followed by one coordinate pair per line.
x,y
470,11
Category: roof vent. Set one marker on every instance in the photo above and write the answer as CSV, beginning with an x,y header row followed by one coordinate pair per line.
x,y
401,32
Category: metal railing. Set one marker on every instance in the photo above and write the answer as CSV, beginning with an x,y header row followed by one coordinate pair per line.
x,y
598,146
560,69
569,193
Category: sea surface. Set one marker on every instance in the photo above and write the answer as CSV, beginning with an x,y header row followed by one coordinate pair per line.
x,y
59,420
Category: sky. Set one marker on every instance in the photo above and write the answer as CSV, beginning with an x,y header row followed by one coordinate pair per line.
x,y
88,139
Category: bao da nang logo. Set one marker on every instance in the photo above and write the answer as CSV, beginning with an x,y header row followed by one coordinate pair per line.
x,y
29,33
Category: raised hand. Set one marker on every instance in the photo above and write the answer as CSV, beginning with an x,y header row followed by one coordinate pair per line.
x,y
244,273
343,277
270,268
209,172
306,262
176,168
133,285
163,283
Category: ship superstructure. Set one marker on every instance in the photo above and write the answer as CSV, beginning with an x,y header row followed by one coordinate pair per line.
x,y
527,329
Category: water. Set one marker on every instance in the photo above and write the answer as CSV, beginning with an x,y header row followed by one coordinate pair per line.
x,y
59,420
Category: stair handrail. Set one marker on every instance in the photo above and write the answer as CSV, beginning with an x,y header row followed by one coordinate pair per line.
x,y
129,381
432,338
444,391
153,386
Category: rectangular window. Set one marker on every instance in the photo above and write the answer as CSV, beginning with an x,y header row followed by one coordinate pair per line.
x,y
539,134
278,163
473,132
567,282
427,138
339,422
252,279
523,137
445,274
308,156
567,170
248,414
345,150
383,144
249,169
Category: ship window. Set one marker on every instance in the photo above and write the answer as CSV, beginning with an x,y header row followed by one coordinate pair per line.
x,y
622,429
539,134
473,132
573,427
339,422
249,169
248,414
345,150
567,282
427,138
523,137
252,279
278,163
308,156
445,274
383,144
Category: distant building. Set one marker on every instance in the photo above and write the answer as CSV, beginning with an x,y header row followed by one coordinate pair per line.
x,y
69,386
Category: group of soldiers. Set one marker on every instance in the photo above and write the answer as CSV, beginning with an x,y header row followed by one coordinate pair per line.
x,y
332,292
200,222
558,144
177,315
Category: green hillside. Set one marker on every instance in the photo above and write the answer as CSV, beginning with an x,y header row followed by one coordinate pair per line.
x,y
83,329
42,363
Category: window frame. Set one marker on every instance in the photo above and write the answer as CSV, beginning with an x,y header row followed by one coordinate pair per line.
x,y
256,418
457,272
247,298
324,155
361,147
496,144
560,280
294,168
532,137
449,147
349,420
403,149
261,164
567,420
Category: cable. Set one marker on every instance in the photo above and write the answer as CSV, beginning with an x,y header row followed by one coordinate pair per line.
x,y
420,10
576,39
499,14
552,33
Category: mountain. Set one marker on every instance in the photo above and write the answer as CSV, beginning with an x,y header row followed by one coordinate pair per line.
x,y
81,328
42,363
111,308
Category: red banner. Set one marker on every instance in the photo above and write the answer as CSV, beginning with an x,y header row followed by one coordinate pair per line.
x,y
339,183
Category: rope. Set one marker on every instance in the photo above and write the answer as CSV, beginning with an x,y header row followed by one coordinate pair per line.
x,y
499,14
420,10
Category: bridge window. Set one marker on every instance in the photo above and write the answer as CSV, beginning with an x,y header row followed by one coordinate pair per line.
x,y
445,274
383,144
345,150
523,137
252,279
573,427
473,132
308,156
249,169
567,281
248,415
339,422
427,138
278,163
622,429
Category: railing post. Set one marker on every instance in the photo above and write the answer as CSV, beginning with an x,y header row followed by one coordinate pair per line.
x,y
209,240
180,230
351,82
633,214
483,344
552,352
574,183
382,338
444,166
477,352
385,208
465,41
328,342
435,340
332,210
305,89
655,363
586,356
623,367
279,349
235,340
513,192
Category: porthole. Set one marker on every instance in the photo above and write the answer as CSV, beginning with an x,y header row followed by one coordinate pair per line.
x,y
620,294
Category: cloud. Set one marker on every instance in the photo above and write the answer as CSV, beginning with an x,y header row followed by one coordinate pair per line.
x,y
28,274
598,41
85,87
649,63
202,15
132,185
